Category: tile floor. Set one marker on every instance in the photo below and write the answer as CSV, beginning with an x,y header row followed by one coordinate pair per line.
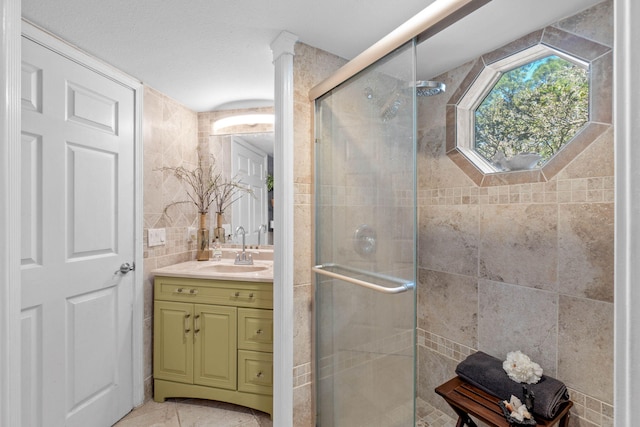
x,y
205,413
194,413
429,416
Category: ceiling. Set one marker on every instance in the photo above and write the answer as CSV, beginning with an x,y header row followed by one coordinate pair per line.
x,y
215,54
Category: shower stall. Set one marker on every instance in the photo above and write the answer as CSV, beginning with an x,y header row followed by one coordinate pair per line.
x,y
365,229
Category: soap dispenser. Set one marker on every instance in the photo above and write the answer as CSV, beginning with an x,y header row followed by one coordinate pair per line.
x,y
217,250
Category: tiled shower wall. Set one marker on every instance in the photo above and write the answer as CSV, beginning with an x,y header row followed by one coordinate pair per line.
x,y
519,267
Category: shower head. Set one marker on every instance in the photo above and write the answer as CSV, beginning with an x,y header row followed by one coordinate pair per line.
x,y
429,88
423,88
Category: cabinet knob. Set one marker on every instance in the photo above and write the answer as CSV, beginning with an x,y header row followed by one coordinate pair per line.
x,y
193,291
259,331
251,295
180,290
259,374
236,294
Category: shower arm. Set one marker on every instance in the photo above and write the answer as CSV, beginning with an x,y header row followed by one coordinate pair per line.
x,y
405,285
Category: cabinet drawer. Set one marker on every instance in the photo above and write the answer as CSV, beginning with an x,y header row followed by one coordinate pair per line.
x,y
255,329
255,372
238,294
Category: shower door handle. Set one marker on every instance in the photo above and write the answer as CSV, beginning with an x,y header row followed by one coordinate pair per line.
x,y
404,285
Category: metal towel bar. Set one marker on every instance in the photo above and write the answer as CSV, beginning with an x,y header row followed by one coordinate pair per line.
x,y
405,285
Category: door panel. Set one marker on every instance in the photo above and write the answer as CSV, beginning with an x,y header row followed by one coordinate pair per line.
x,y
78,206
31,88
31,372
31,204
92,109
95,340
92,226
250,211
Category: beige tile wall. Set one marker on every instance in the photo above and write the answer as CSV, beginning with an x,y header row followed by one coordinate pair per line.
x,y
170,134
311,66
519,267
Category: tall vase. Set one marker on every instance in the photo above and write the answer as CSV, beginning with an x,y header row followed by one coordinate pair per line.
x,y
218,233
202,253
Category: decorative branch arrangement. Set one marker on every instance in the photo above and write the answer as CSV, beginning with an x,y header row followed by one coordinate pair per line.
x,y
227,192
205,186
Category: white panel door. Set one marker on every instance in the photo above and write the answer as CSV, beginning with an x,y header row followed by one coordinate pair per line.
x,y
77,229
250,212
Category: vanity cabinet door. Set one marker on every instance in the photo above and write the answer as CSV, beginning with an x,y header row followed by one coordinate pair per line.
x,y
172,341
215,346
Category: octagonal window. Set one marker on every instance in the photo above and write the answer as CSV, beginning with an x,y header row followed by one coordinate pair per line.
x,y
531,112
525,110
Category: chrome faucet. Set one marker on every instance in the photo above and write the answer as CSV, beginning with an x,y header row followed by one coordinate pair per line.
x,y
241,257
262,228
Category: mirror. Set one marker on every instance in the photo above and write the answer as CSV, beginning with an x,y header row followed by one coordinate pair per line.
x,y
247,156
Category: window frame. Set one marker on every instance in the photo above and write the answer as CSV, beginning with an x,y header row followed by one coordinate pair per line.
x,y
485,73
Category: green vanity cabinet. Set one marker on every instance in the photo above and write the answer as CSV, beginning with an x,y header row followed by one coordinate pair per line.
x,y
213,339
172,350
197,344
215,351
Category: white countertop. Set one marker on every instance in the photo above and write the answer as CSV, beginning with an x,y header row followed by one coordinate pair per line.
x,y
225,269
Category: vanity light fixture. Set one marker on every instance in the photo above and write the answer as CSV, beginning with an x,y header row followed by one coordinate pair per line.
x,y
244,119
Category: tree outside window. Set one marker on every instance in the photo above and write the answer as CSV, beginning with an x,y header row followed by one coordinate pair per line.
x,y
524,111
533,109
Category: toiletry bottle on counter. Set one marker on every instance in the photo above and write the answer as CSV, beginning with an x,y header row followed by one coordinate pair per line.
x,y
217,250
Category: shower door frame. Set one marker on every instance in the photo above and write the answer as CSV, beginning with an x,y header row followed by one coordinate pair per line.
x,y
369,280
431,20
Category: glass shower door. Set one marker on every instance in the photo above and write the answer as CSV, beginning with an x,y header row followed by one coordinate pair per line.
x,y
365,247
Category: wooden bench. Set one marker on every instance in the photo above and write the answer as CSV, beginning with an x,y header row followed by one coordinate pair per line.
x,y
466,400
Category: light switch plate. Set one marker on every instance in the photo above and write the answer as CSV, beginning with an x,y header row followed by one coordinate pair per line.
x,y
156,237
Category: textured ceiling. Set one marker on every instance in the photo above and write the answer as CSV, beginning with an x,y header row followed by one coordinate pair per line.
x,y
214,54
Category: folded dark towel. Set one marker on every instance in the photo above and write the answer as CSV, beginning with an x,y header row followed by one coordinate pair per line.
x,y
486,373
